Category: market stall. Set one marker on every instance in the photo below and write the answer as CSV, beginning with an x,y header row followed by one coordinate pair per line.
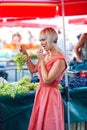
x,y
19,103
15,113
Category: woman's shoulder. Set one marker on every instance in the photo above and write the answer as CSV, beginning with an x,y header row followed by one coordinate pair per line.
x,y
61,55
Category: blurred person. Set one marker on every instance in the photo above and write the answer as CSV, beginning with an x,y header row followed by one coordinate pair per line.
x,y
16,40
65,46
81,48
31,37
48,109
60,42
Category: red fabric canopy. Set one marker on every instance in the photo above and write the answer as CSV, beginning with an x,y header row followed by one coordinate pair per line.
x,y
24,24
17,10
74,7
78,21
26,9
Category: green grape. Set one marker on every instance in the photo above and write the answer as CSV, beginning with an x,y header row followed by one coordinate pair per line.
x,y
22,86
22,89
8,89
20,60
31,86
60,86
35,86
1,84
26,78
24,81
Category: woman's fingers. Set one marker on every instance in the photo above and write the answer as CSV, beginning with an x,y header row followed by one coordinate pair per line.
x,y
21,48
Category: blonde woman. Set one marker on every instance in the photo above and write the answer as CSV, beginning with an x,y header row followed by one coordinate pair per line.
x,y
48,111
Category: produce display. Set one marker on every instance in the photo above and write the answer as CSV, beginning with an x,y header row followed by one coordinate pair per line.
x,y
20,60
7,89
76,81
23,86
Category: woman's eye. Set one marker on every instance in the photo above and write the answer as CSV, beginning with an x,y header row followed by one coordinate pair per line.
x,y
42,40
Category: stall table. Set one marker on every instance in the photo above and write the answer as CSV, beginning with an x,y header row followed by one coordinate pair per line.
x,y
77,104
15,113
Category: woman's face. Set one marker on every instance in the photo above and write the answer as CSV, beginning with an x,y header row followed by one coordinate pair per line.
x,y
16,39
46,46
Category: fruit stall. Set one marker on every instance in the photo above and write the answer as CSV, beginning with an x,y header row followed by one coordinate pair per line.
x,y
20,95
17,98
16,105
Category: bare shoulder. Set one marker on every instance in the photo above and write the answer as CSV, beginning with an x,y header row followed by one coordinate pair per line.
x,y
61,62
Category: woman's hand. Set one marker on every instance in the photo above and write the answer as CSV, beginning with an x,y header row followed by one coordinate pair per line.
x,y
40,54
23,50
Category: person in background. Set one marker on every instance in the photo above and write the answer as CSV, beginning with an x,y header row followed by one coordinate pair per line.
x,y
48,110
60,42
81,48
16,39
31,37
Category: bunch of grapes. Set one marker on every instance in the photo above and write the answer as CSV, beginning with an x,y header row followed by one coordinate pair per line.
x,y
20,60
36,86
22,89
7,89
33,86
22,86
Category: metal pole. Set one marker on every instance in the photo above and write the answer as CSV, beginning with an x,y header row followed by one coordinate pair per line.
x,y
66,74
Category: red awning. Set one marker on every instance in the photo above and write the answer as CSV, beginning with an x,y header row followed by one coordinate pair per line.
x,y
24,24
50,8
16,10
27,10
74,7
78,21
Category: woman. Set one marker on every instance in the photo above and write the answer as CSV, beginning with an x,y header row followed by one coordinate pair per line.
x,y
48,111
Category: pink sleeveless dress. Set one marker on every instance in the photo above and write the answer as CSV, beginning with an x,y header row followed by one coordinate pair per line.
x,y
48,110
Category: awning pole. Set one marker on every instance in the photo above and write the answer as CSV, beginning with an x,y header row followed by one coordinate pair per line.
x,y
66,74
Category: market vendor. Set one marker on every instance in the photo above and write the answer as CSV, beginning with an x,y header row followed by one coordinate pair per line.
x,y
81,48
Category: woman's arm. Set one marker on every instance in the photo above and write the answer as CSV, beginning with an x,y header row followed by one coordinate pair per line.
x,y
57,68
31,66
79,44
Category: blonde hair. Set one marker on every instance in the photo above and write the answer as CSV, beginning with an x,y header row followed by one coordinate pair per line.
x,y
49,34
